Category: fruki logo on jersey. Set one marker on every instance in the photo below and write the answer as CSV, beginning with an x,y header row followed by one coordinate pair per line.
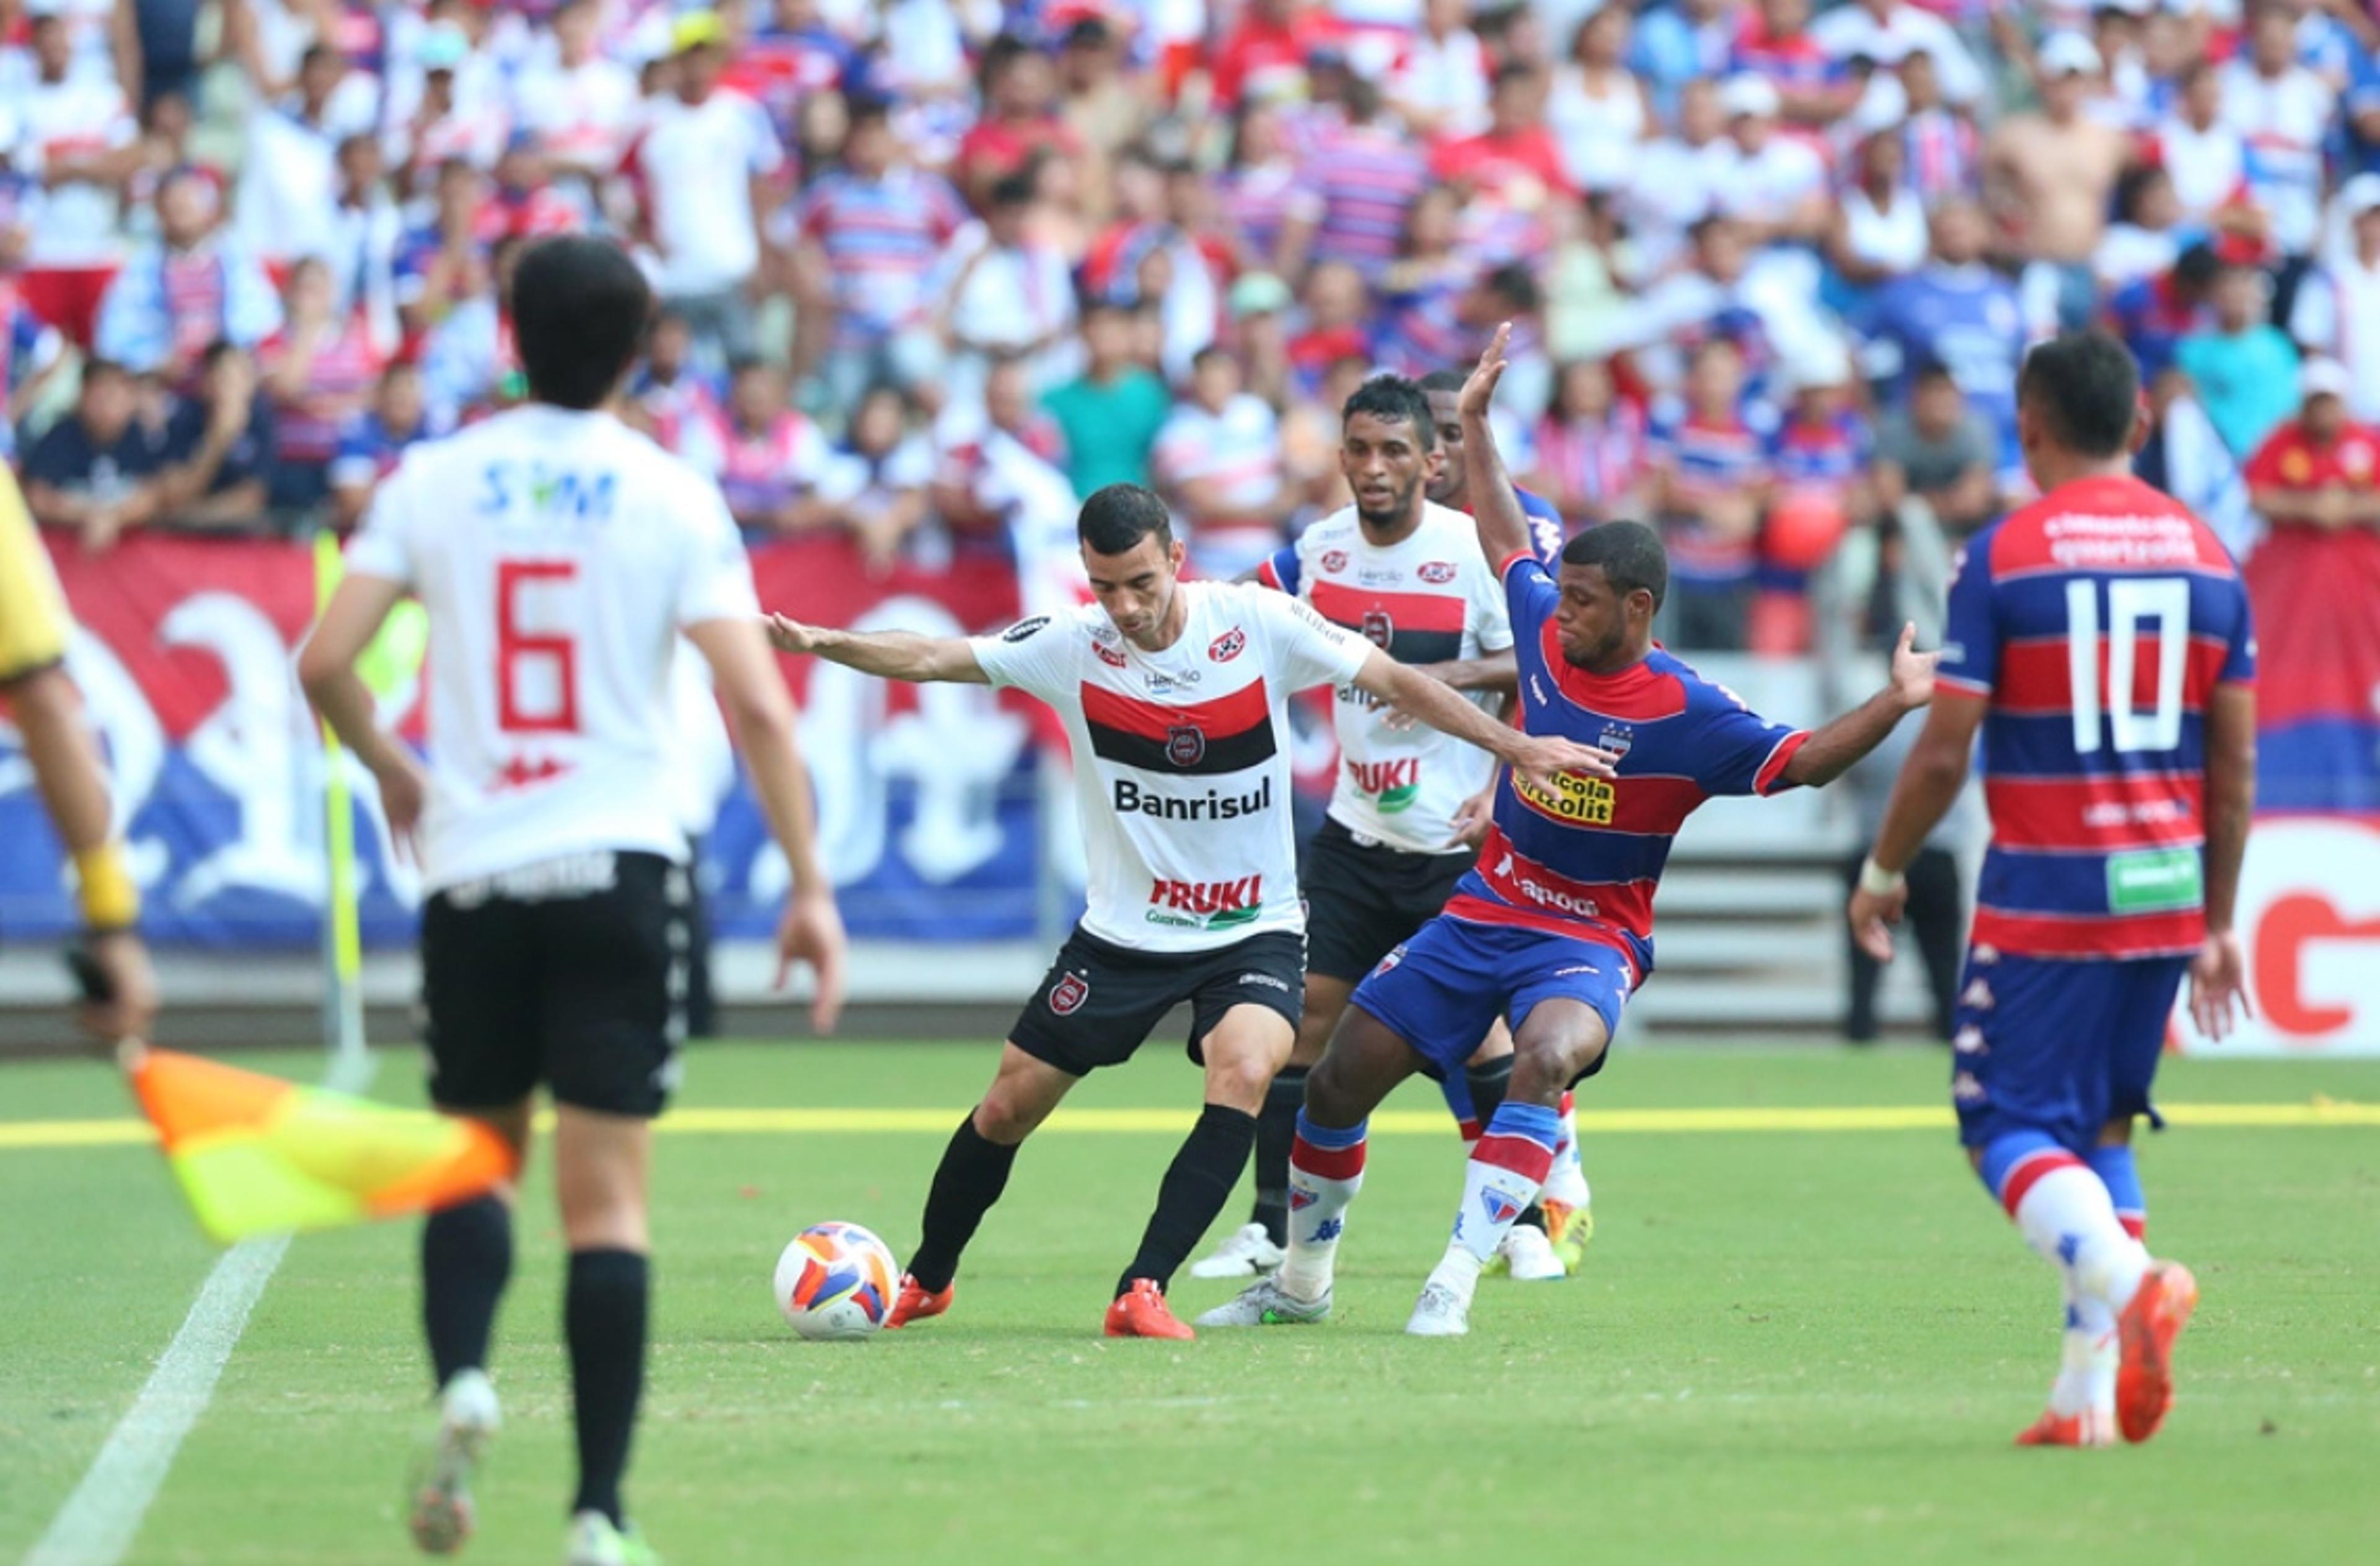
x,y
1206,904
1393,785
1437,573
1582,802
1228,646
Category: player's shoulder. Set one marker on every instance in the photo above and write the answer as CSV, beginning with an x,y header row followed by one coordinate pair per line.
x,y
1340,530
2100,525
1681,686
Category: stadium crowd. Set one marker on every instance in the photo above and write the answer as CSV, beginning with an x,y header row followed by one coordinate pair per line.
x,y
932,267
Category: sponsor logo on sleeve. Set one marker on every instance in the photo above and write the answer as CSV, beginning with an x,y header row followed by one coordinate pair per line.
x,y
1437,573
1334,561
1228,646
1024,630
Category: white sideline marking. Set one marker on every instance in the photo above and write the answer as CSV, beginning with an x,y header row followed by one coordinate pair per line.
x,y
102,1518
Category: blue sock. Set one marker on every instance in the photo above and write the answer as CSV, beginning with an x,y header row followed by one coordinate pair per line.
x,y
2116,1170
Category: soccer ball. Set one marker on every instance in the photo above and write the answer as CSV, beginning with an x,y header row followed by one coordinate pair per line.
x,y
836,1282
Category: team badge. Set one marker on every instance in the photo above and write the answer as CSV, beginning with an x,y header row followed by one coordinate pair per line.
x,y
1334,561
1228,646
1379,629
1437,573
1617,738
1186,744
1066,996
1498,1207
1302,1198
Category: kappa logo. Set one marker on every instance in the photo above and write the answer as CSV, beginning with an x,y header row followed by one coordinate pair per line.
x,y
1066,996
1329,1229
1966,1087
1379,629
1024,630
1500,1207
1186,744
1228,646
1987,956
1108,655
1334,561
1437,573
1977,995
1969,1040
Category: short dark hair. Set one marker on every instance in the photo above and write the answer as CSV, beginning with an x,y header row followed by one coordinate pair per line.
x,y
1629,554
1517,285
2086,385
2197,266
1018,189
97,369
1394,399
1116,518
1212,351
1442,381
579,312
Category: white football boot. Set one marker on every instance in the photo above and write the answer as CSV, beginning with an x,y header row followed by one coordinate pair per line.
x,y
440,1515
1249,1253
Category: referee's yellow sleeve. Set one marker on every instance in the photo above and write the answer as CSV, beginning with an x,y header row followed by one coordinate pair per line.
x,y
33,620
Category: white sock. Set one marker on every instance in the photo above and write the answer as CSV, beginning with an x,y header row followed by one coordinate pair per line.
x,y
2087,1375
1502,1177
1325,1169
1567,1181
2067,1216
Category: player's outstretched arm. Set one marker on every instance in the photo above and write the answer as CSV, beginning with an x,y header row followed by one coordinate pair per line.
x,y
1503,526
760,714
2218,987
326,667
892,655
1831,749
1534,756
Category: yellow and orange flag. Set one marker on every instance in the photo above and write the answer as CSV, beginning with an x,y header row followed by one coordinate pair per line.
x,y
256,1155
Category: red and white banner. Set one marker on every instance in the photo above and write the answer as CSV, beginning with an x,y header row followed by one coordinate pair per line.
x,y
2309,919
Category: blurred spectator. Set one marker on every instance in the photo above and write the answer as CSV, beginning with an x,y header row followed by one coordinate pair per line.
x,y
1694,40
1260,187
1710,478
320,371
792,55
1438,84
2206,156
1310,436
2282,112
220,449
1676,179
2147,234
1879,230
287,203
1357,187
2050,175
1894,29
1778,186
190,288
1515,163
2336,312
1705,297
1819,459
2185,457
445,121
1331,326
374,442
774,458
98,471
1101,108
1946,151
997,461
365,230
1005,292
703,165
1266,52
1109,416
876,482
1957,312
1020,121
867,236
468,365
1597,109
2153,314
76,133
1940,451
2317,473
446,259
1258,307
581,105
677,403
2245,368
1590,448
1219,462
31,354
1813,90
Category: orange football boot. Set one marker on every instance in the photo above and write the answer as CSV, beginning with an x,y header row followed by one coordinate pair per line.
x,y
916,1305
2160,1308
2089,1428
1141,1312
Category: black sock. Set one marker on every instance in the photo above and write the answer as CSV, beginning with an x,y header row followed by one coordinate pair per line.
x,y
1276,1129
1532,1217
1193,1192
467,1256
603,1319
973,1174
1489,1084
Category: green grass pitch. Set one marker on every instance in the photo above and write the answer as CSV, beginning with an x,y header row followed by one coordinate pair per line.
x,y
1785,1346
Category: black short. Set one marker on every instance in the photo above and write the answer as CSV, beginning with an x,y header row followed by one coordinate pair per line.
x,y
1100,1001
1363,900
570,973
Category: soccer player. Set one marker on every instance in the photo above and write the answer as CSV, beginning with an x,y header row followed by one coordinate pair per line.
x,y
1554,928
2100,640
36,691
560,556
1174,697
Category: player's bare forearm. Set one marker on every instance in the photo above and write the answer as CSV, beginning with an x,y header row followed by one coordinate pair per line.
x,y
761,712
326,666
345,703
2230,796
1496,506
1498,672
66,767
889,655
1414,693
1834,748
1929,781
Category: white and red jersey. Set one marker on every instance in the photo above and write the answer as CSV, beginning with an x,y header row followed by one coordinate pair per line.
x,y
79,117
1430,598
1182,758
559,554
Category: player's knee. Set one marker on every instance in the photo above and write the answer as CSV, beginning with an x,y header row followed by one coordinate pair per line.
x,y
1005,1118
1544,1066
1330,1098
1240,1081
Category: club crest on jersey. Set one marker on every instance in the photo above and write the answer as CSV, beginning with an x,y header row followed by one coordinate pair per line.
x,y
1334,561
1396,954
1228,646
1618,738
1066,996
1379,629
1108,655
1437,573
1186,744
1498,1207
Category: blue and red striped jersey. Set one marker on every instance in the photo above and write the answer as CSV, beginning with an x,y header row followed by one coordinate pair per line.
x,y
1585,862
2097,621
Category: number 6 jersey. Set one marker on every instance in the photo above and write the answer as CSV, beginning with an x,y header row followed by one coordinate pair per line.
x,y
558,554
2097,621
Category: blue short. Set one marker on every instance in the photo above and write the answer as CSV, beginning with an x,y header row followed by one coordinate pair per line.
x,y
1443,989
2060,1046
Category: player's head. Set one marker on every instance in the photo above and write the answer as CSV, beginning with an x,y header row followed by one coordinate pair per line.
x,y
1442,389
2077,404
1131,555
1614,578
580,310
1386,450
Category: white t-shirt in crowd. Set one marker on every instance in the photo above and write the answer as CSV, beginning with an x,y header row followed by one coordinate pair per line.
x,y
699,160
72,119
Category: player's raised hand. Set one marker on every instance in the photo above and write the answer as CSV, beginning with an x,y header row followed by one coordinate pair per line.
x,y
811,932
1873,914
2218,986
791,636
1480,390
1913,672
1539,759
